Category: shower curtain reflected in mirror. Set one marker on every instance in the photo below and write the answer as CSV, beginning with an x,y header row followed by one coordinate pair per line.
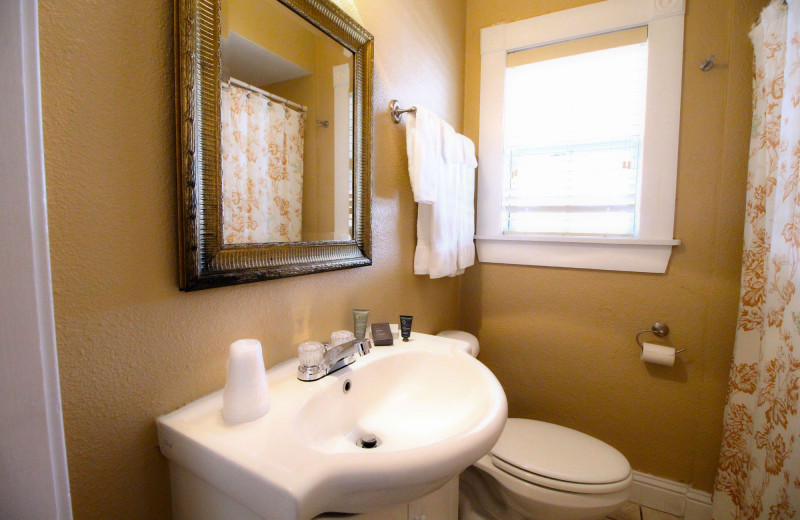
x,y
262,168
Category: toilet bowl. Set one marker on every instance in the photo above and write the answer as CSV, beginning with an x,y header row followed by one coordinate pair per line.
x,y
542,471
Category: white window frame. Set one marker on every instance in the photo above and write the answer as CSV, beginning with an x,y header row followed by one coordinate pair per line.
x,y
650,250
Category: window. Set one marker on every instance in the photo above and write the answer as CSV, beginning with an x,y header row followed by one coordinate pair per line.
x,y
572,140
579,135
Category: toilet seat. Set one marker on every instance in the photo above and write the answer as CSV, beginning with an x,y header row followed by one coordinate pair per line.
x,y
560,458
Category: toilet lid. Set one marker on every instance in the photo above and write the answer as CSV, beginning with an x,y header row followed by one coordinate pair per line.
x,y
555,452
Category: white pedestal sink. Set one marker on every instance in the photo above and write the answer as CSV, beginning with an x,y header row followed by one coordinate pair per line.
x,y
434,410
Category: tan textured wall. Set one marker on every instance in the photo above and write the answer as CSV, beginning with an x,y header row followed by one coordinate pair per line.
x,y
562,341
130,345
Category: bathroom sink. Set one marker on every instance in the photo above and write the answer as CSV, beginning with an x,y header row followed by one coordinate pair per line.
x,y
392,427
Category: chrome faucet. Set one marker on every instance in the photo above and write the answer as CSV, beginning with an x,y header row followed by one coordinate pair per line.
x,y
330,359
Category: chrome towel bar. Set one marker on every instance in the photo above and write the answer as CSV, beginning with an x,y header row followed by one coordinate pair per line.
x,y
396,112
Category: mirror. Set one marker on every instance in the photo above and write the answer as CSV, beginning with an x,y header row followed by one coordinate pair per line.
x,y
291,197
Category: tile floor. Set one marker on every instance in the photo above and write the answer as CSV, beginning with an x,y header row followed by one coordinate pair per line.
x,y
632,511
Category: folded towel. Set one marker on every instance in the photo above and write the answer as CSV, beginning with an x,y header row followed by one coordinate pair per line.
x,y
466,198
452,148
442,172
468,148
423,144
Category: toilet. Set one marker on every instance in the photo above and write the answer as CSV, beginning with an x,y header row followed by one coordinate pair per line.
x,y
542,471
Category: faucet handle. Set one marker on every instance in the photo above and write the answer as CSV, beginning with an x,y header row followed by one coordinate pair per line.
x,y
341,336
311,353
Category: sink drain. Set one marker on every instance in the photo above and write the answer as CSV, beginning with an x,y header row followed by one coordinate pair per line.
x,y
368,441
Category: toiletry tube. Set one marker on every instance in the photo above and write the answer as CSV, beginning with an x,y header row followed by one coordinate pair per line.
x,y
360,317
246,394
405,326
658,354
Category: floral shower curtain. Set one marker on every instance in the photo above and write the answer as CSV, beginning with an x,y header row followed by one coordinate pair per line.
x,y
759,468
262,169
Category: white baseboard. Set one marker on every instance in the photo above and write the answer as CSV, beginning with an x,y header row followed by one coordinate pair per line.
x,y
670,497
698,505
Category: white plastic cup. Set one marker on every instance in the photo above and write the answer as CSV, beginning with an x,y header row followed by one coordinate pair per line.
x,y
395,328
246,394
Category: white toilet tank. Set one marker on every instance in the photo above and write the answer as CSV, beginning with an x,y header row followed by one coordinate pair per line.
x,y
471,340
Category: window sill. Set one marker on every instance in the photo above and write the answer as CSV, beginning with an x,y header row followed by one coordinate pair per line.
x,y
608,254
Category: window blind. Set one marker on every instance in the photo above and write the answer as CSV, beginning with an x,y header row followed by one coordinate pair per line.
x,y
573,136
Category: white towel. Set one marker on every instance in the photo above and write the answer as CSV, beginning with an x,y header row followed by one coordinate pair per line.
x,y
466,198
436,254
442,172
423,143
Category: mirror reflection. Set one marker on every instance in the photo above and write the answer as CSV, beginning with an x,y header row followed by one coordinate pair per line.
x,y
287,124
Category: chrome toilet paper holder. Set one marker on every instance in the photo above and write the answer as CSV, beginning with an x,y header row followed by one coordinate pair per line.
x,y
659,329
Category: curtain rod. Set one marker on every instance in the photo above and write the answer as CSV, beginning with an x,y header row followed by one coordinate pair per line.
x,y
266,94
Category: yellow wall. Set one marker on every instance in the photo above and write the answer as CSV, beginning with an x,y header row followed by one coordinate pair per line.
x,y
131,346
562,341
327,56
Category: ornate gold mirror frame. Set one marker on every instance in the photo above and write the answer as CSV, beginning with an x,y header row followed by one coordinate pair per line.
x,y
204,261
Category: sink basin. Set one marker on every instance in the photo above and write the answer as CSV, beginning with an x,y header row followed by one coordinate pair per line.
x,y
433,409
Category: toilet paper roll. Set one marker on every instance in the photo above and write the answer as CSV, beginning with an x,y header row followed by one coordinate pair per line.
x,y
246,394
658,354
